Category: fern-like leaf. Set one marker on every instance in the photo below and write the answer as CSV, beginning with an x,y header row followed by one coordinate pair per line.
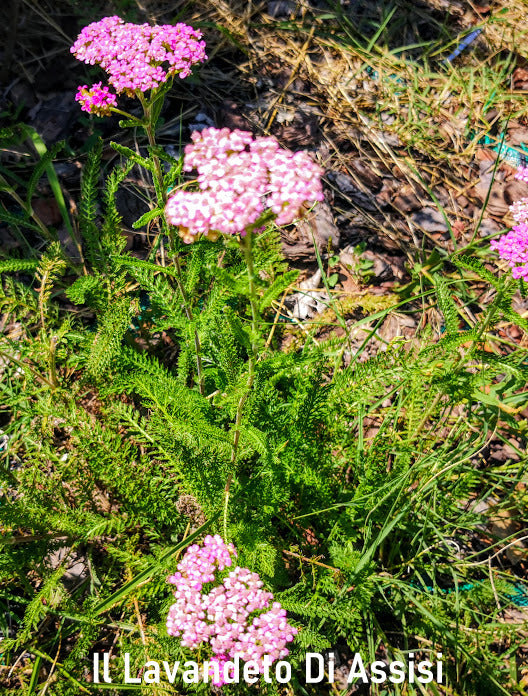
x,y
88,203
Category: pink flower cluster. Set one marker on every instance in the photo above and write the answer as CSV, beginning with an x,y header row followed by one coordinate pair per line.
x,y
96,99
240,179
513,246
139,56
519,210
522,174
232,616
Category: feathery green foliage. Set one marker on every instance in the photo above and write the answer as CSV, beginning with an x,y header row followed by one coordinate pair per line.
x,y
164,405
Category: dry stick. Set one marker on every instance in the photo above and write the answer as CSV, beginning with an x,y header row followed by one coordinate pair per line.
x,y
310,560
277,316
29,210
23,365
297,321
140,624
142,634
33,5
52,362
52,668
492,583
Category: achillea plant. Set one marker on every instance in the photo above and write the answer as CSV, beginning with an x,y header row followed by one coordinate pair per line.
x,y
166,403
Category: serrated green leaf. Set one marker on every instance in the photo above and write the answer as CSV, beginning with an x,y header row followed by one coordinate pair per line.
x,y
128,153
128,123
17,265
147,217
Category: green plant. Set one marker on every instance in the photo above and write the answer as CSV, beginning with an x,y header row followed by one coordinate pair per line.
x,y
147,401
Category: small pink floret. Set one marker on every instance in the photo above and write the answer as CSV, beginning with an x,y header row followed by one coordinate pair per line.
x,y
519,210
522,174
96,99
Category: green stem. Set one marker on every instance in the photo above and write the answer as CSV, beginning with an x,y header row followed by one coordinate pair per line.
x,y
492,310
126,114
162,199
247,247
149,128
246,244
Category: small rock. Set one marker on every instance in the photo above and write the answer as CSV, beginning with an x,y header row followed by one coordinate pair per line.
x,y
520,78
346,186
68,170
366,174
281,8
387,118
284,116
313,282
173,151
406,200
390,139
47,210
76,566
517,135
488,227
298,242
203,118
306,305
22,95
343,182
442,196
230,115
380,265
7,241
51,118
200,122
430,220
68,245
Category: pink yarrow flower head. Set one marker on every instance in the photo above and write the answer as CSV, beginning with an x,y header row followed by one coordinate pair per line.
x,y
96,99
522,174
519,210
241,178
139,56
513,246
232,613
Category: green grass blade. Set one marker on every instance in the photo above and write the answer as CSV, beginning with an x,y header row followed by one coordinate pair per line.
x,y
146,574
40,147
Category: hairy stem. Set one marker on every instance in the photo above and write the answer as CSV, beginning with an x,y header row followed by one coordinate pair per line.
x,y
162,199
246,244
